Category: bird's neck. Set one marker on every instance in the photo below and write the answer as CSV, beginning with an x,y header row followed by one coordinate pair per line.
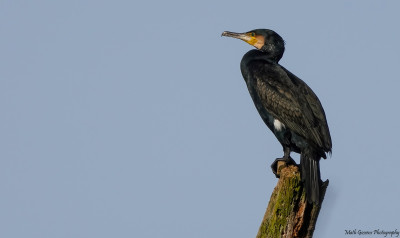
x,y
259,55
272,52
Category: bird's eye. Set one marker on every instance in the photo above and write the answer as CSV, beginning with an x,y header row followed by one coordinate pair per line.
x,y
253,34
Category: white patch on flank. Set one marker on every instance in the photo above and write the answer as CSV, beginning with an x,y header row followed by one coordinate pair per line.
x,y
278,125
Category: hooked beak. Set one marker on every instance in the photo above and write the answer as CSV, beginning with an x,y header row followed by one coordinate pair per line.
x,y
241,36
249,37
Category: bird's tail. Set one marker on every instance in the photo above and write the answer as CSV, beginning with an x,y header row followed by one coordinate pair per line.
x,y
310,174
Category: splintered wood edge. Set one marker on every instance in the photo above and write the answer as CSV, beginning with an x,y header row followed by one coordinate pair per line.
x,y
285,169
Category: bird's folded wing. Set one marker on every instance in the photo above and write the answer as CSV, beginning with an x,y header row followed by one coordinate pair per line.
x,y
291,103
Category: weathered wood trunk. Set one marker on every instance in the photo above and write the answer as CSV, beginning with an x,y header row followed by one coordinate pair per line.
x,y
288,213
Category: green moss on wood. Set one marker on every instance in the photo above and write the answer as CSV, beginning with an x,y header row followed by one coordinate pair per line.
x,y
282,204
288,213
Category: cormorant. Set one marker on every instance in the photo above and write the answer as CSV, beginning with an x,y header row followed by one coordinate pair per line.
x,y
289,108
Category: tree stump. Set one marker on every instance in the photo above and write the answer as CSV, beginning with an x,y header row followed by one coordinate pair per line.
x,y
289,214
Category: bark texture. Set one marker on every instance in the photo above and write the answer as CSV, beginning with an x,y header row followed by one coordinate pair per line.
x,y
288,213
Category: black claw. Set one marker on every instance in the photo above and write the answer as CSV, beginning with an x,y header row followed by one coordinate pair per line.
x,y
288,161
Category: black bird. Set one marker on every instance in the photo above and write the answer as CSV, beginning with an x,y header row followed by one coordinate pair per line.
x,y
289,108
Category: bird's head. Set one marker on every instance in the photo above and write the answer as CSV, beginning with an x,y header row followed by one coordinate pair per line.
x,y
265,40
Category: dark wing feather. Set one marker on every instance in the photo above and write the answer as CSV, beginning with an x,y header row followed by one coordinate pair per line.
x,y
293,103
315,106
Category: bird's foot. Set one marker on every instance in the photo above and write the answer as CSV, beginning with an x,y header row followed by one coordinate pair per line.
x,y
287,161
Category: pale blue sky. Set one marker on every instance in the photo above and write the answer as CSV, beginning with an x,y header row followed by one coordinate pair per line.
x,y
131,119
